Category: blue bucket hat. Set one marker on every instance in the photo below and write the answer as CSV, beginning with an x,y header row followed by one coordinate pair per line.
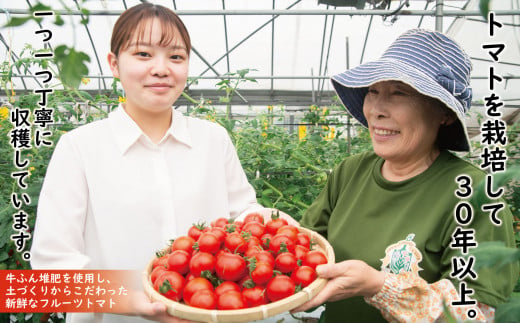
x,y
431,63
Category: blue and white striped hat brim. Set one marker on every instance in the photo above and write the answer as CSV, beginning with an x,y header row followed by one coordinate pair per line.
x,y
431,63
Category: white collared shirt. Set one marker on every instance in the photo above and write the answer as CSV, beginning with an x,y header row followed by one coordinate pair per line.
x,y
112,198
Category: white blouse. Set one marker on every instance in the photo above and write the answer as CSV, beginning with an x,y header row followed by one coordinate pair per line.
x,y
111,198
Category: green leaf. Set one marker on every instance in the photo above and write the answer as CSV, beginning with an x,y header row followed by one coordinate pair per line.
x,y
18,21
59,21
494,253
71,65
484,8
508,312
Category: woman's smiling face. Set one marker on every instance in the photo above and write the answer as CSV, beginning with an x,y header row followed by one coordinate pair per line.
x,y
403,123
152,74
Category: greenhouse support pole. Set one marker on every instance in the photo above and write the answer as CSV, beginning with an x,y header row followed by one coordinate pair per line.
x,y
349,125
438,15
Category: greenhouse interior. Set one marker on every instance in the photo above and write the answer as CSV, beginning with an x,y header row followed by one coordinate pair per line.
x,y
261,69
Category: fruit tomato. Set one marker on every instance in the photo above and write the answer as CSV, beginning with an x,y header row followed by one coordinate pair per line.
x,y
230,300
183,243
261,272
234,242
280,242
225,286
156,272
279,287
254,296
204,298
256,229
179,261
254,217
303,276
264,256
230,266
170,284
202,261
196,230
197,283
208,242
285,262
303,240
290,231
220,222
314,258
274,224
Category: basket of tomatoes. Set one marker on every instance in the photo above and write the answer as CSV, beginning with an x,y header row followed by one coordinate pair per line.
x,y
238,271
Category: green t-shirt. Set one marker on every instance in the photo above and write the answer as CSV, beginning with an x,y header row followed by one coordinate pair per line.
x,y
361,214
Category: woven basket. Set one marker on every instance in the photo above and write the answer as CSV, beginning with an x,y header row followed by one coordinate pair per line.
x,y
248,314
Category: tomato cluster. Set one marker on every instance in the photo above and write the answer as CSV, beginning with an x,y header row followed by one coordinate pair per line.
x,y
234,265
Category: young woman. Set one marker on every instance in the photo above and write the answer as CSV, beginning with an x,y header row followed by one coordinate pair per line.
x,y
117,190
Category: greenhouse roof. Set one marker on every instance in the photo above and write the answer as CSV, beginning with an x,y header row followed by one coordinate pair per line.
x,y
291,47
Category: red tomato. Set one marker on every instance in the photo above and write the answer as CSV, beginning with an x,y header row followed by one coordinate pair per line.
x,y
256,229
225,286
290,231
300,252
303,276
246,282
156,272
253,241
194,285
179,261
279,287
170,284
161,261
261,272
219,222
254,296
303,240
238,225
264,256
234,242
230,266
254,217
274,224
220,233
208,242
196,230
230,300
314,258
251,251
183,243
285,262
202,261
266,240
279,242
204,298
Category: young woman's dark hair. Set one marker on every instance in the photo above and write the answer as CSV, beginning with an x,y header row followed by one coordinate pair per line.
x,y
133,21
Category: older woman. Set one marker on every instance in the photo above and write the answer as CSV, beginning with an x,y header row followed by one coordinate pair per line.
x,y
393,209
